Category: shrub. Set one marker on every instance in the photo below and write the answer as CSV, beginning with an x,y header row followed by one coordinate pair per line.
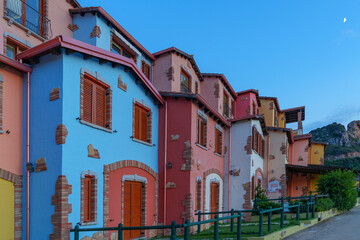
x,y
303,206
340,187
264,203
324,204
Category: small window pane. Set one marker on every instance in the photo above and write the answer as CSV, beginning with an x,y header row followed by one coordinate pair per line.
x,y
10,52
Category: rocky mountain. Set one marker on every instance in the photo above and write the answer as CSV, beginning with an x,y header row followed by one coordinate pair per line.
x,y
344,143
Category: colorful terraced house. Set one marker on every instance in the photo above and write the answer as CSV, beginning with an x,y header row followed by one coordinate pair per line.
x,y
94,120
192,170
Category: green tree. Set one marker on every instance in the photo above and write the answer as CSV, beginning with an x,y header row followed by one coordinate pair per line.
x,y
340,187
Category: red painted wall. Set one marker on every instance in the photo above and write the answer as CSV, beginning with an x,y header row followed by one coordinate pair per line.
x,y
244,106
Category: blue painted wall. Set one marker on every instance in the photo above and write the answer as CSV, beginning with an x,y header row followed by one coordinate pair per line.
x,y
45,116
71,158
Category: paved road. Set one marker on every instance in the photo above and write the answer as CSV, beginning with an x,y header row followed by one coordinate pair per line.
x,y
342,227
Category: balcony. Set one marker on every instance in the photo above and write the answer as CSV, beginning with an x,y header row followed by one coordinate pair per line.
x,y
30,18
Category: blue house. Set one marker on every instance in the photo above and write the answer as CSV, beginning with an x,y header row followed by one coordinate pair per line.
x,y
94,118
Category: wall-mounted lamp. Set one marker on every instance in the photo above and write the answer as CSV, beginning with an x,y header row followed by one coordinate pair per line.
x,y
231,172
169,165
7,131
78,118
115,131
297,187
30,167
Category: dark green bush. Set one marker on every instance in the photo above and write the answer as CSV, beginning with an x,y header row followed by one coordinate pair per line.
x,y
263,202
339,184
324,204
303,206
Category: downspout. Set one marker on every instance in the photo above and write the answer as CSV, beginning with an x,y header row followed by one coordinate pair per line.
x,y
228,173
268,162
28,156
165,164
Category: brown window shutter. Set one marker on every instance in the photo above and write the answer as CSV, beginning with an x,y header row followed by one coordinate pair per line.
x,y
137,122
202,130
253,138
198,195
253,187
263,148
144,125
87,199
87,101
100,106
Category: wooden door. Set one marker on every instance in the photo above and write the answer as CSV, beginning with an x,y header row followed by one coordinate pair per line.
x,y
132,208
214,199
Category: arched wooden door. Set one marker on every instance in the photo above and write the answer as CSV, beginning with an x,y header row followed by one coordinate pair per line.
x,y
133,192
214,198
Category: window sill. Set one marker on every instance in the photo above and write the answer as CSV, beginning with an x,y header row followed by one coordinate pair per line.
x,y
201,146
142,142
89,223
95,126
217,154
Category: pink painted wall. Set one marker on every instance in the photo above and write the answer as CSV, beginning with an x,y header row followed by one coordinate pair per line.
x,y
160,70
115,198
11,156
300,154
58,14
244,105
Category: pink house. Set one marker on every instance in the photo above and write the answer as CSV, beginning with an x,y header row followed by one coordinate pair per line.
x,y
192,169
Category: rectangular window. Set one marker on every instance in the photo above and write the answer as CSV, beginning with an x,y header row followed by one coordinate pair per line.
x,y
233,108
14,47
120,49
198,196
89,192
94,101
258,142
201,131
218,141
185,82
142,123
145,68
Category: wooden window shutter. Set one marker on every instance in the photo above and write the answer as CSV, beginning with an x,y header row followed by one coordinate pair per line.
x,y
87,101
263,148
253,137
198,195
144,125
137,122
100,106
87,199
202,130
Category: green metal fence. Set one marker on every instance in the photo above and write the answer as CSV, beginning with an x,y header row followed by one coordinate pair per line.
x,y
174,226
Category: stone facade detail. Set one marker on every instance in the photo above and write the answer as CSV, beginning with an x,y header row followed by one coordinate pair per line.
x,y
92,152
283,149
236,173
248,147
61,134
174,137
300,159
73,27
188,156
95,32
170,74
217,90
40,165
170,185
60,219
55,94
121,84
247,204
283,185
188,205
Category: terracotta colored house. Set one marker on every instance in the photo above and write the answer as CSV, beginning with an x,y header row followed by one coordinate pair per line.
x,y
192,170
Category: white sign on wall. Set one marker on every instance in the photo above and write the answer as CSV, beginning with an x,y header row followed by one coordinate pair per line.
x,y
274,186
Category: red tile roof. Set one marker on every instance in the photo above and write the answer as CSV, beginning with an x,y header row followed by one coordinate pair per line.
x,y
87,49
304,136
107,17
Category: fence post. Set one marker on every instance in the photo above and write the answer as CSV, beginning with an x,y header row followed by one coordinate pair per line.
x,y
316,197
120,231
282,218
313,210
76,233
255,204
310,196
307,211
282,202
232,221
187,230
216,227
261,223
269,220
173,230
298,212
238,235
199,220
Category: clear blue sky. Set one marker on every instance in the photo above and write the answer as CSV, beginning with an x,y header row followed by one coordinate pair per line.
x,y
300,51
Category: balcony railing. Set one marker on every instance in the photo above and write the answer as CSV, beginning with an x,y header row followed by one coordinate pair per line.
x,y
30,18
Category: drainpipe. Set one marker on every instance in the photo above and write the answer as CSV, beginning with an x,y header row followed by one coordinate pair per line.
x,y
268,162
28,156
165,164
229,159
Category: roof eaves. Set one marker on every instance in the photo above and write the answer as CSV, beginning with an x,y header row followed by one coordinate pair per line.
x,y
15,64
224,79
116,25
76,45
